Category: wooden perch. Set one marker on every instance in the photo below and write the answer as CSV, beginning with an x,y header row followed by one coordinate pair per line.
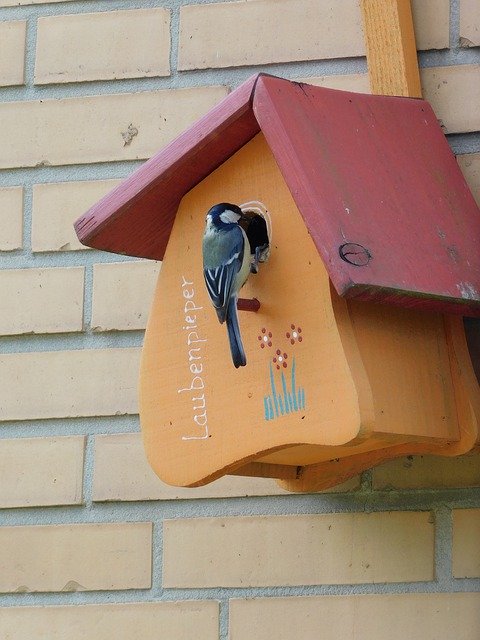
x,y
248,304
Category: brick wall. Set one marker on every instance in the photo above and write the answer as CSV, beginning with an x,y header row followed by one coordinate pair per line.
x,y
92,544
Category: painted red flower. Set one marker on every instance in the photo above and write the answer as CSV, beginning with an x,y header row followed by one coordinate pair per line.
x,y
265,338
280,359
295,334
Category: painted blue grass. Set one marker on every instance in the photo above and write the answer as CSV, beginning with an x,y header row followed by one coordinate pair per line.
x,y
291,400
286,394
267,401
274,392
294,393
301,398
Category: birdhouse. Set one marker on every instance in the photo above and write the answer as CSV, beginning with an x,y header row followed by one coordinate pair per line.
x,y
356,352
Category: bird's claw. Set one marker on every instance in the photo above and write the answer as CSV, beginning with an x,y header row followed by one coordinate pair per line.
x,y
261,255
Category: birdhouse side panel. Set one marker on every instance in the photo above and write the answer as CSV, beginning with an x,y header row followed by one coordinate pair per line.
x,y
406,355
200,415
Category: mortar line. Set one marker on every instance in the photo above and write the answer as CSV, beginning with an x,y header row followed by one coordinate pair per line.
x,y
443,546
224,619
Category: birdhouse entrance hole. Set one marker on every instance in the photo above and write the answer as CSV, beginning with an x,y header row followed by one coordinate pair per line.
x,y
259,232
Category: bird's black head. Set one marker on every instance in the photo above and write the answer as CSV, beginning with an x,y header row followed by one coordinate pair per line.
x,y
224,213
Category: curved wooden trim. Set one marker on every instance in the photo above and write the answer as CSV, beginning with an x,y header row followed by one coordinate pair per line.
x,y
356,365
467,390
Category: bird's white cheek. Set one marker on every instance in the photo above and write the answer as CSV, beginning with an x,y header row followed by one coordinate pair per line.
x,y
229,216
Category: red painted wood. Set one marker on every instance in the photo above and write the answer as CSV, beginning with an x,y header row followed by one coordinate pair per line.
x,y
377,171
136,218
248,304
373,177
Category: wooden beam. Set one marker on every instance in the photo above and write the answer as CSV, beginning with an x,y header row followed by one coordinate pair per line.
x,y
391,49
265,470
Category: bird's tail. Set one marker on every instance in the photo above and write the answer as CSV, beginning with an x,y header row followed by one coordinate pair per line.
x,y
236,346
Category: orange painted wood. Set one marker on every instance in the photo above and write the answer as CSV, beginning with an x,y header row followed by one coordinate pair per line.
x,y
402,352
202,418
331,472
294,289
261,470
391,50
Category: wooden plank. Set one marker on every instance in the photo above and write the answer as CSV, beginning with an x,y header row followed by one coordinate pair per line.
x,y
262,470
391,50
466,385
380,192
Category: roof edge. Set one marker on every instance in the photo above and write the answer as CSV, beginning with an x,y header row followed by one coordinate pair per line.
x,y
136,217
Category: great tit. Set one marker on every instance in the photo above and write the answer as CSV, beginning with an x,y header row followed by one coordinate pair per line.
x,y
226,267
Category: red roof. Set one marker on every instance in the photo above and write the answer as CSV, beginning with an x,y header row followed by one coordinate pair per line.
x,y
373,177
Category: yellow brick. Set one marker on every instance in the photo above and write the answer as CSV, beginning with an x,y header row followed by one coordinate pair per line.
x,y
56,206
298,550
357,82
103,46
466,546
454,93
416,472
12,52
122,294
207,31
413,616
470,166
11,211
431,19
100,128
149,621
79,557
61,384
469,23
38,472
312,30
122,473
41,300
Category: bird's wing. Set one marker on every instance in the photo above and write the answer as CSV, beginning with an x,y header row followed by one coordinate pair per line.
x,y
220,280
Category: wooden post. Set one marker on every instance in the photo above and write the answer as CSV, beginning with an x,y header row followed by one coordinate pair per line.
x,y
391,51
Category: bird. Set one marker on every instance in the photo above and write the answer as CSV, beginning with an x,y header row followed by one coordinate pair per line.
x,y
226,267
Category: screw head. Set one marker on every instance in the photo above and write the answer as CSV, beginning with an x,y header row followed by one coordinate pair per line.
x,y
355,254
